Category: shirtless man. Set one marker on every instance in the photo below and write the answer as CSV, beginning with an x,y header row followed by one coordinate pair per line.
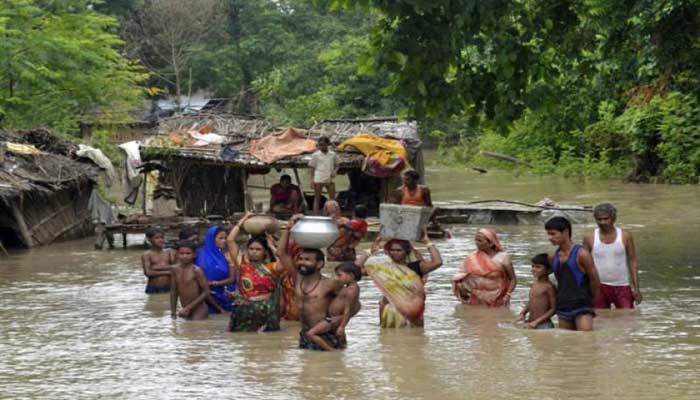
x,y
313,291
615,259
189,285
345,306
157,262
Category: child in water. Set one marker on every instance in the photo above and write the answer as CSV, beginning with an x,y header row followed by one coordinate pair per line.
x,y
189,285
345,305
543,296
156,263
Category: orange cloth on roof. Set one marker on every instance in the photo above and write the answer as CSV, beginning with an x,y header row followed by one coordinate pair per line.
x,y
277,146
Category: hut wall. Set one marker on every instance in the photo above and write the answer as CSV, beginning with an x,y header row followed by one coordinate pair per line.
x,y
48,216
61,215
206,189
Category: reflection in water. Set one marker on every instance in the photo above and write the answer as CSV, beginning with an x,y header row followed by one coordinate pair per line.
x,y
76,323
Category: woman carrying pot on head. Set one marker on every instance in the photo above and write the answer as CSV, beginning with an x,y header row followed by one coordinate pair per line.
x,y
400,280
212,259
487,276
256,304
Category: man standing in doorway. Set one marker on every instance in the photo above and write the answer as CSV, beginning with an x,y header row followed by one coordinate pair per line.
x,y
615,259
324,164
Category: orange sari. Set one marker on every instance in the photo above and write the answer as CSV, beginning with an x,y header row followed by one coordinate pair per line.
x,y
482,281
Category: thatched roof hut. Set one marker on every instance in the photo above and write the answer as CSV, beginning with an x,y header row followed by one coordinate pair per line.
x,y
206,181
44,193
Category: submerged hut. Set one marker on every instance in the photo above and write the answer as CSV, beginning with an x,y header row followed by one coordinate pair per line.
x,y
212,177
44,193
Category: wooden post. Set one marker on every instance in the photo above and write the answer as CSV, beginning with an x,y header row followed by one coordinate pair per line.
x,y
23,230
247,199
145,192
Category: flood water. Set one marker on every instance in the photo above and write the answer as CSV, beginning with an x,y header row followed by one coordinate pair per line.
x,y
75,323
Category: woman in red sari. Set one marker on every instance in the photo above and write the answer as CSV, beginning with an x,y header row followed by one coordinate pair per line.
x,y
257,301
487,276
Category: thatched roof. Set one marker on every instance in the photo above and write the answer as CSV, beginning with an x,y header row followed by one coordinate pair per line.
x,y
241,130
51,170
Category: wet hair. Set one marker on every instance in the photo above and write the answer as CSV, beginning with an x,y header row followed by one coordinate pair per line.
x,y
605,209
412,174
187,232
558,224
542,259
350,268
186,243
360,211
324,139
318,253
286,178
150,232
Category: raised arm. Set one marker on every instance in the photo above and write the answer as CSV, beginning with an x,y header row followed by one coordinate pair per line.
x,y
435,258
585,260
283,257
362,259
633,265
231,243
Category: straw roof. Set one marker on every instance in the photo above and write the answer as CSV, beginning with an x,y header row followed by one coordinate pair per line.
x,y
240,131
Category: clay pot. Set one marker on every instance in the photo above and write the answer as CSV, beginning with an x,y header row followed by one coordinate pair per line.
x,y
260,224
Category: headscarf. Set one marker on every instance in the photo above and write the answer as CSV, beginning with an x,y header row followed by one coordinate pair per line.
x,y
492,237
215,266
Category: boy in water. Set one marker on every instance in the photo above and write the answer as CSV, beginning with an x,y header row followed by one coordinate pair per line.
x,y
345,305
156,263
577,277
189,285
543,296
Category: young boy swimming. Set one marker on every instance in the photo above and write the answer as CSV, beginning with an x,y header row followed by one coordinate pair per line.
x,y
543,296
345,305
189,285
156,262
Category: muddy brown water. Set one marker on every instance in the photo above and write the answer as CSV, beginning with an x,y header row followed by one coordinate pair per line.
x,y
75,323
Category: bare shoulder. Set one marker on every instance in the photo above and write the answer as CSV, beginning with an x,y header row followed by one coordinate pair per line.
x,y
626,235
588,238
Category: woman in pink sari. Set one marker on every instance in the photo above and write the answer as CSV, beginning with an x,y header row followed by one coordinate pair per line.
x,y
487,276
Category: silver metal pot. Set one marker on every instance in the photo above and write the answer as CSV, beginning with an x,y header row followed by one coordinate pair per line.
x,y
315,232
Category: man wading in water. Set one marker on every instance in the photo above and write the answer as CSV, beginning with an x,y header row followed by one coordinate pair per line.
x,y
314,292
615,259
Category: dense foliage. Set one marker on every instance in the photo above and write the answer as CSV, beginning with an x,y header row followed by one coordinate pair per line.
x,y
594,87
587,87
60,65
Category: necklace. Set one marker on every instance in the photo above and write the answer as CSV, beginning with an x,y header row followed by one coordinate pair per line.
x,y
305,292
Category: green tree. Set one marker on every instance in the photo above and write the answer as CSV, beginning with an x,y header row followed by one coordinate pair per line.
x,y
60,65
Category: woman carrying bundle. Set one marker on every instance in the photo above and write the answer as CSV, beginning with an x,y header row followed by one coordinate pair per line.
x,y
401,281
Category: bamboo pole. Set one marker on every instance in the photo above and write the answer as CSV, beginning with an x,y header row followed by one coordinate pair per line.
x,y
23,230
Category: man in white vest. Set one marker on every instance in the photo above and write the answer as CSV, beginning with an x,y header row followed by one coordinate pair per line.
x,y
615,259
